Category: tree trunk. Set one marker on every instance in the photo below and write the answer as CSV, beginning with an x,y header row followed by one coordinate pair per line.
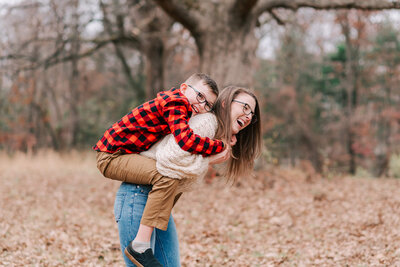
x,y
151,25
74,82
310,141
73,103
224,31
228,56
383,149
224,35
351,70
154,51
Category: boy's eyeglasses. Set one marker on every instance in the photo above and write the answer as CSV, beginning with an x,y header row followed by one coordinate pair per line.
x,y
247,110
202,99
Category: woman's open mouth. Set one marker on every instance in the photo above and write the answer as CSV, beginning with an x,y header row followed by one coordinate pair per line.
x,y
240,122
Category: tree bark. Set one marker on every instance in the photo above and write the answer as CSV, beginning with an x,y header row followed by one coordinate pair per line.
x,y
230,58
154,50
153,39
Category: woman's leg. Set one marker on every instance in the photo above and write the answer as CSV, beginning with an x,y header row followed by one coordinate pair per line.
x,y
167,246
128,209
138,169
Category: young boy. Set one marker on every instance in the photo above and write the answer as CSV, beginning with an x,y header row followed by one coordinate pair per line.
x,y
137,131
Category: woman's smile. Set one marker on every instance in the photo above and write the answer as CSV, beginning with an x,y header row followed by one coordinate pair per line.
x,y
239,119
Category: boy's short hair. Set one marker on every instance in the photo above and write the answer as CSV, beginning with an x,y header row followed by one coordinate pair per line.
x,y
206,81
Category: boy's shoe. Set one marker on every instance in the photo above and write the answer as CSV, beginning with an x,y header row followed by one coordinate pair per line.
x,y
145,259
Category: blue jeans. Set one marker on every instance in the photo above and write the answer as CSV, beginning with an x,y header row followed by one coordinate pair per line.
x,y
128,209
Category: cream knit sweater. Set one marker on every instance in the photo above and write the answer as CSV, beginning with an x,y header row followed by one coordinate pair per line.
x,y
174,162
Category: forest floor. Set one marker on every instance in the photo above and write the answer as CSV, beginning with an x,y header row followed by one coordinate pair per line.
x,y
57,210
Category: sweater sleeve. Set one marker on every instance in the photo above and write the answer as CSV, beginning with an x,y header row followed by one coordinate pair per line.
x,y
174,162
175,113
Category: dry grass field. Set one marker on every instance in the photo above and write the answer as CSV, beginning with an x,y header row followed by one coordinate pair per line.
x,y
56,210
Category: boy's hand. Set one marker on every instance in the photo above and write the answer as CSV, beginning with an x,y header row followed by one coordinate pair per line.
x,y
225,154
220,157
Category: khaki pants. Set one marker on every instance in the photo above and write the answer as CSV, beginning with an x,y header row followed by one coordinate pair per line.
x,y
137,169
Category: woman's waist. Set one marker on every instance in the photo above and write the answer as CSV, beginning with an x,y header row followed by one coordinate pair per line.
x,y
134,188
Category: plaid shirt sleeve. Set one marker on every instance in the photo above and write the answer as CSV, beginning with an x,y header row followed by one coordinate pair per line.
x,y
175,113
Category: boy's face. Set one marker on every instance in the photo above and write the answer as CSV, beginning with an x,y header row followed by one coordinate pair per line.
x,y
200,97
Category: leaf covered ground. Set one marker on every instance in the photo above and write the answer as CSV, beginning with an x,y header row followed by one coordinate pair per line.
x,y
56,210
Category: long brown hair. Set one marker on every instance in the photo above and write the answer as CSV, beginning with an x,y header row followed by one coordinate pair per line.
x,y
249,141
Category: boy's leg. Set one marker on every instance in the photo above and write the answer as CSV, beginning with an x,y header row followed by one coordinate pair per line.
x,y
130,168
138,169
160,202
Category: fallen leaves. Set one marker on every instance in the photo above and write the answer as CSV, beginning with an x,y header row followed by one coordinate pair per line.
x,y
56,210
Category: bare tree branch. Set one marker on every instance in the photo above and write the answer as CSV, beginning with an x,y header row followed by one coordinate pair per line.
x,y
52,60
21,6
276,17
183,15
15,56
241,9
125,66
368,5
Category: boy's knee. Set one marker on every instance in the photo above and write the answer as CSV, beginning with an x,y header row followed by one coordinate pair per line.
x,y
166,183
102,159
105,166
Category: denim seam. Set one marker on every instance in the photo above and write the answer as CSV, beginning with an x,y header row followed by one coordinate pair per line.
x,y
121,206
132,214
159,243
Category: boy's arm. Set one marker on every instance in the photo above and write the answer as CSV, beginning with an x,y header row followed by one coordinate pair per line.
x,y
176,114
174,162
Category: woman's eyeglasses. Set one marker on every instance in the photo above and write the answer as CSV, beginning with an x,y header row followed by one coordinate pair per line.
x,y
202,99
247,110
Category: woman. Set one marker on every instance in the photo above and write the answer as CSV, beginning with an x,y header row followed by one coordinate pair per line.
x,y
236,117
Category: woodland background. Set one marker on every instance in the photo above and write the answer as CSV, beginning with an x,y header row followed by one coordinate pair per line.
x,y
327,76
328,81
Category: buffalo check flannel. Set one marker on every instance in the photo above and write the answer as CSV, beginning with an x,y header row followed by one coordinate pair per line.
x,y
168,113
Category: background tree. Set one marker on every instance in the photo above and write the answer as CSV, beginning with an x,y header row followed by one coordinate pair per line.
x,y
329,100
332,99
224,31
385,92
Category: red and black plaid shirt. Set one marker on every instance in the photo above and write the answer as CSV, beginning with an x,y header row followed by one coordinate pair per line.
x,y
168,113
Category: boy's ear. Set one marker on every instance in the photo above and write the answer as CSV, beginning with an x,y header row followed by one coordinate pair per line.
x,y
183,87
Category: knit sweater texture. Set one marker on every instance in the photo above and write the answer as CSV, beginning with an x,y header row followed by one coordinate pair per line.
x,y
174,162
